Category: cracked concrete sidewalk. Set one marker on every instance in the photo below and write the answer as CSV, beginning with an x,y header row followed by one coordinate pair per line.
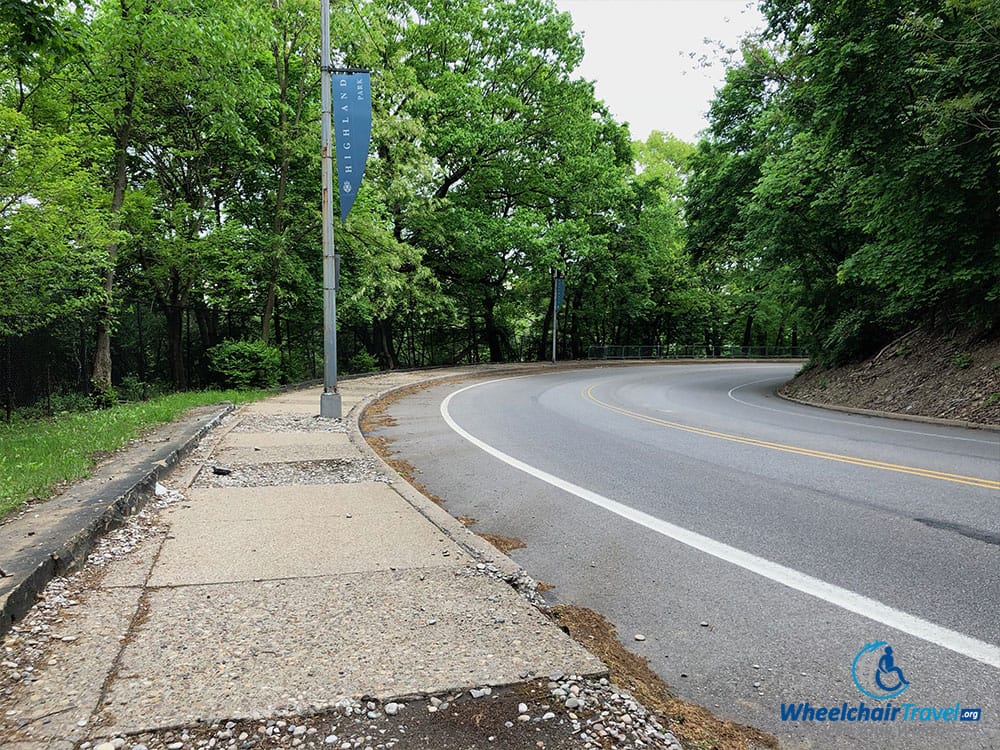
x,y
286,598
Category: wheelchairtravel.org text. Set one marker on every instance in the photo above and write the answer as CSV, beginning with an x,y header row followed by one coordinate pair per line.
x,y
861,712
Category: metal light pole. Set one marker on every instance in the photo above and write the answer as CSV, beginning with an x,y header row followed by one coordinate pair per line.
x,y
555,311
329,402
558,291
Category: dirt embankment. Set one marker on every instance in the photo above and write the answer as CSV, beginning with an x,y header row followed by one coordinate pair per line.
x,y
946,374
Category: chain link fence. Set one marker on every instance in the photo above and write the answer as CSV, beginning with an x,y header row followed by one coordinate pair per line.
x,y
695,351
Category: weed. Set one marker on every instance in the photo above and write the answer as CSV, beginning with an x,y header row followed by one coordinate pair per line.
x,y
962,361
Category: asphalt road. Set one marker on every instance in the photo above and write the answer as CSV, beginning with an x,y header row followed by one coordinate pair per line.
x,y
758,545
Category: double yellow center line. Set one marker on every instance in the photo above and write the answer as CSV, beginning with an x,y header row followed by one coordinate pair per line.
x,y
989,484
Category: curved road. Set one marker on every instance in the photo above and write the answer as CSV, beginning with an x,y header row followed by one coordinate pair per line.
x,y
757,544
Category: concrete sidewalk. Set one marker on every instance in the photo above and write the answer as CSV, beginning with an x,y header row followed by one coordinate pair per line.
x,y
308,575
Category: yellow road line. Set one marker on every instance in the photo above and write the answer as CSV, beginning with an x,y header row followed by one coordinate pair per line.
x,y
989,484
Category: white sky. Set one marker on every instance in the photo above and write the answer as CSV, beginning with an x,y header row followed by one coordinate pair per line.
x,y
639,54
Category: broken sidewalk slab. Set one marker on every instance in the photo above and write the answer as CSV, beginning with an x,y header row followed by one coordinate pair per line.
x,y
237,650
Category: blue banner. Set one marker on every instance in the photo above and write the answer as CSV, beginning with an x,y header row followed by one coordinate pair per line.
x,y
352,129
560,292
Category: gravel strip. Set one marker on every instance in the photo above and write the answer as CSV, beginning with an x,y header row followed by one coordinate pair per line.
x,y
567,711
332,471
288,423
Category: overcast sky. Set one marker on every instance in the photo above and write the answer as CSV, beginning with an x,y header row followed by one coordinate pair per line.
x,y
639,52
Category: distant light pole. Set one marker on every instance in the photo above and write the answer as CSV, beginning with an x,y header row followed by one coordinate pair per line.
x,y
329,403
558,292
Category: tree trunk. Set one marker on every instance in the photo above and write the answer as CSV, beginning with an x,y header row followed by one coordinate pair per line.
x,y
8,379
386,344
575,335
747,334
208,326
175,345
101,373
493,338
545,345
282,60
142,352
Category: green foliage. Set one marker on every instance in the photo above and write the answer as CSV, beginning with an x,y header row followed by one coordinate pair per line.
x,y
246,364
848,338
103,397
36,455
51,228
362,361
852,152
961,361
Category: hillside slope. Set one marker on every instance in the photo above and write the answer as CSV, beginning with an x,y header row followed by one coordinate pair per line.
x,y
947,374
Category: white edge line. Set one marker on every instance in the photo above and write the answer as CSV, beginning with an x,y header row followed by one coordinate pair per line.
x,y
973,648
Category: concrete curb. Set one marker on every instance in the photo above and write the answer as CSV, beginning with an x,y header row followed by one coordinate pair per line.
x,y
34,568
448,524
890,414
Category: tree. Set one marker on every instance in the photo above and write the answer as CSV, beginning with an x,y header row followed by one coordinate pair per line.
x,y
852,157
50,201
51,227
502,117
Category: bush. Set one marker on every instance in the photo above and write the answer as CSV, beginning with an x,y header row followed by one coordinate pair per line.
x,y
854,335
60,403
246,364
362,361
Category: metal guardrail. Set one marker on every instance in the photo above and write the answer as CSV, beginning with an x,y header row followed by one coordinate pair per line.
x,y
694,351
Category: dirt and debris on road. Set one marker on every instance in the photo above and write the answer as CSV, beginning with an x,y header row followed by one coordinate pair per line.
x,y
943,374
694,725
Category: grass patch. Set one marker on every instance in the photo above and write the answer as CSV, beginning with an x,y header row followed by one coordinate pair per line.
x,y
38,455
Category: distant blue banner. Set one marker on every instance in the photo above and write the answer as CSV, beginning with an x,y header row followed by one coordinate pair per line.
x,y
352,128
560,292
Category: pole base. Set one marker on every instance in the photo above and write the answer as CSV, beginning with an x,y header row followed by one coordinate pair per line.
x,y
329,405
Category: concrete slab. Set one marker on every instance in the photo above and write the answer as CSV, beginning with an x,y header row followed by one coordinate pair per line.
x,y
258,535
267,440
231,651
211,505
68,689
